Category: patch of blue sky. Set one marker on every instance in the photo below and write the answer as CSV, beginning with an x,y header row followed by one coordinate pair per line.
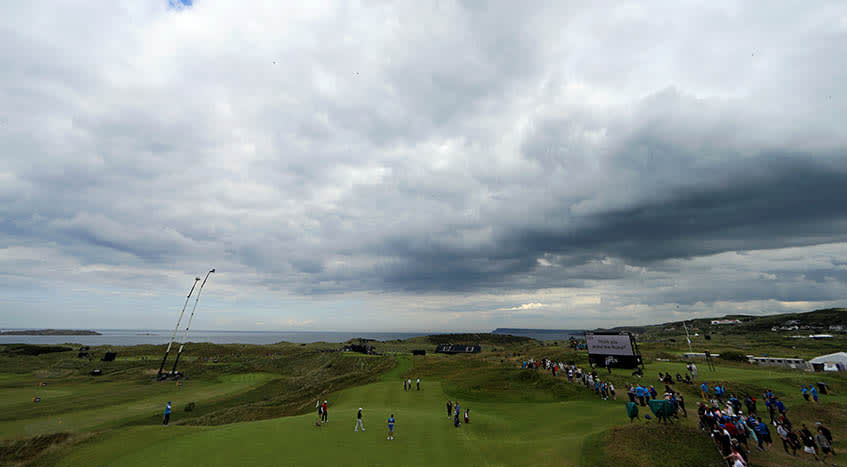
x,y
180,3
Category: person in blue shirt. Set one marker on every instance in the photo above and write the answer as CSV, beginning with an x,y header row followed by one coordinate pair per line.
x,y
763,433
814,392
167,414
704,391
780,406
639,392
719,393
391,427
805,392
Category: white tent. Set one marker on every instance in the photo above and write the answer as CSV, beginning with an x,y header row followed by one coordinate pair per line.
x,y
833,362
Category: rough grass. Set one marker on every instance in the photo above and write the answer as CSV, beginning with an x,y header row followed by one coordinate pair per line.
x,y
650,444
26,451
27,349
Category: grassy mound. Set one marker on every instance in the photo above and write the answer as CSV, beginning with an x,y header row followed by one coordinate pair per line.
x,y
650,444
21,452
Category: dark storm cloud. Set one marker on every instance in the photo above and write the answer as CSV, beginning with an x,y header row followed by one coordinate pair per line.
x,y
764,203
769,202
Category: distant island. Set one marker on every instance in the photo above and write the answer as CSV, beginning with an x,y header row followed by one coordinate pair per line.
x,y
541,334
50,332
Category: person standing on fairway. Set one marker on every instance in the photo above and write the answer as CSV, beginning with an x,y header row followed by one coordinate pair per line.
x,y
323,412
405,387
419,384
391,427
359,421
167,414
449,409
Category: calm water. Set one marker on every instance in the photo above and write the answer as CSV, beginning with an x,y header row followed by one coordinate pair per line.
x,y
543,334
142,336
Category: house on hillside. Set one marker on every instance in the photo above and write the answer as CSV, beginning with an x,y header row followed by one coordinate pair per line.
x,y
461,348
725,321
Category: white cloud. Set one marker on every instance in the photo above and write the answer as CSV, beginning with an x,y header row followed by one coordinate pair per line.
x,y
418,165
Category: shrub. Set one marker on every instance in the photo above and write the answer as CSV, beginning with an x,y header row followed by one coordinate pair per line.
x,y
733,356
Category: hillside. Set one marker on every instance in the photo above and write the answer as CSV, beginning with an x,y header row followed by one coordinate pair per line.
x,y
831,321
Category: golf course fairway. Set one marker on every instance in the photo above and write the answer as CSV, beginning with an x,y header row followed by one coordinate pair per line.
x,y
499,434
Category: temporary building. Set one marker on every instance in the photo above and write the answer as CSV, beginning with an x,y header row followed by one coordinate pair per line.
x,y
833,362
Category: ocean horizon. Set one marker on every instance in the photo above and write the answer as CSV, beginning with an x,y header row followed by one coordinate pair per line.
x,y
128,337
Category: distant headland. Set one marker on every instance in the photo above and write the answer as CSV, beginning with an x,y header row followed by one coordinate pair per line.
x,y
541,334
50,332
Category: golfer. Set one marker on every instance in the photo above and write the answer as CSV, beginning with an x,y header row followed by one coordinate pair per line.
x,y
391,427
359,421
167,414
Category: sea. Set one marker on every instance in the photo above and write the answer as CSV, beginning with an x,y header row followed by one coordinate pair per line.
x,y
119,337
543,334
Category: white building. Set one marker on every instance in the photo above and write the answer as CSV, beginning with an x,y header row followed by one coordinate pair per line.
x,y
693,355
726,321
793,363
833,362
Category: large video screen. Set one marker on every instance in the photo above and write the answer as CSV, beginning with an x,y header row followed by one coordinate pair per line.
x,y
609,344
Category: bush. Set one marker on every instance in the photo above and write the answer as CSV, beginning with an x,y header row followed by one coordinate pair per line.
x,y
28,349
733,356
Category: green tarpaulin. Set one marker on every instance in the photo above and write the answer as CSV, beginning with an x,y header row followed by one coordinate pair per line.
x,y
631,410
661,408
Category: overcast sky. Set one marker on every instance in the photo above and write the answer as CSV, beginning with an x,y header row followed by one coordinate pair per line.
x,y
420,165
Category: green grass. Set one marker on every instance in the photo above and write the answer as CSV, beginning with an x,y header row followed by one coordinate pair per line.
x,y
92,405
255,406
499,434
